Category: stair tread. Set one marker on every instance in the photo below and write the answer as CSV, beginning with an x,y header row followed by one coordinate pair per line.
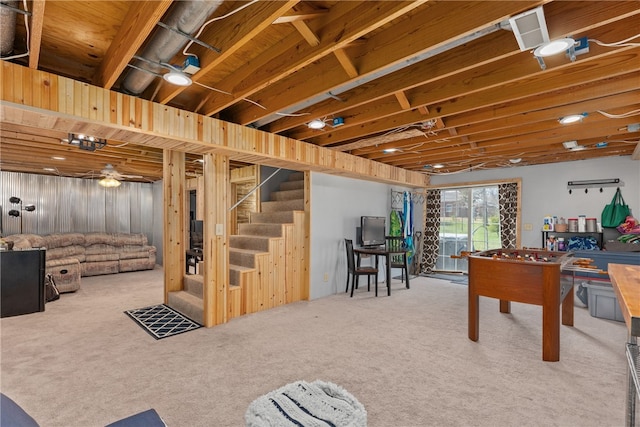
x,y
240,267
186,296
246,251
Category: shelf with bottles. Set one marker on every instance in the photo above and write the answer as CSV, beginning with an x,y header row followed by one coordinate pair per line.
x,y
566,235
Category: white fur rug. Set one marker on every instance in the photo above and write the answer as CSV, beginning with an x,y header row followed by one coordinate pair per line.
x,y
316,404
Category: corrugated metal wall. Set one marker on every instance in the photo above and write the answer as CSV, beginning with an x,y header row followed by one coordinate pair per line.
x,y
77,205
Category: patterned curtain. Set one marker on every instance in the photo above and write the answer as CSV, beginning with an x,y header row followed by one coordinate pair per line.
x,y
430,242
508,203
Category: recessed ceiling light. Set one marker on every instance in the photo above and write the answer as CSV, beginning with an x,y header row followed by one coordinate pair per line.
x,y
570,144
438,166
554,47
58,158
49,169
316,124
177,78
389,150
514,161
572,118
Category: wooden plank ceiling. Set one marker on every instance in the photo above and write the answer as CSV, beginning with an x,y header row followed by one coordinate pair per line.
x,y
414,84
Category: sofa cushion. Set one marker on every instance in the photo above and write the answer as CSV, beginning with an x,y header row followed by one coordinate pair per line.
x,y
99,249
135,239
98,268
59,240
102,257
98,238
137,264
65,252
133,255
27,241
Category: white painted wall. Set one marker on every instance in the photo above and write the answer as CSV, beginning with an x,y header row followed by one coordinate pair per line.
x,y
337,204
545,191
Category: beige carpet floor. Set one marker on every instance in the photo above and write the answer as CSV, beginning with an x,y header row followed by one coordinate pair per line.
x,y
406,357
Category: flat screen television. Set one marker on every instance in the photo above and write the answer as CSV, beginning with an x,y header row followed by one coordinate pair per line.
x,y
373,229
197,228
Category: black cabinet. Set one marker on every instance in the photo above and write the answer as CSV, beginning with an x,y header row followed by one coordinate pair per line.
x,y
21,282
567,235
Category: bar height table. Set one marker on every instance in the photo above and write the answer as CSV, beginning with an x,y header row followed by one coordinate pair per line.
x,y
625,279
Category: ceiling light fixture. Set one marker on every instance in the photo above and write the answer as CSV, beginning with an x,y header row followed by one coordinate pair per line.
x,y
438,166
572,118
58,158
177,78
316,124
514,161
389,150
109,182
88,143
554,47
570,144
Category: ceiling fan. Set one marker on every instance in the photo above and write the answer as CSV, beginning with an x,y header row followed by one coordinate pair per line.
x,y
111,177
110,172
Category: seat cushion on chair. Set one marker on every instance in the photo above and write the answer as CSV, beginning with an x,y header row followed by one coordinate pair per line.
x,y
148,418
12,415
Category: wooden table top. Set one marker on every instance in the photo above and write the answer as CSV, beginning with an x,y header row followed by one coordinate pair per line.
x,y
625,279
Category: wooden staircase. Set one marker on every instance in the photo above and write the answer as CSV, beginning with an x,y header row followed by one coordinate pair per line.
x,y
267,260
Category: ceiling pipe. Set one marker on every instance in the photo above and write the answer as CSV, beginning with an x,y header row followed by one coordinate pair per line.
x,y
7,27
186,16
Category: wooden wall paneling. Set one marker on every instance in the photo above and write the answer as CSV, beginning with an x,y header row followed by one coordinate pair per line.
x,y
279,271
261,289
234,302
200,192
289,274
301,237
146,123
173,243
305,238
247,283
216,257
250,291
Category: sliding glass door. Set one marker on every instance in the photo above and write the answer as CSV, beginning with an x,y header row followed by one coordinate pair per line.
x,y
469,220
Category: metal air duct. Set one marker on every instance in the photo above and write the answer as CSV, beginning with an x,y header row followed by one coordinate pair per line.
x,y
7,27
186,16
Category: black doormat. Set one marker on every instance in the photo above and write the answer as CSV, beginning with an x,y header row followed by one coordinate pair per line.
x,y
162,321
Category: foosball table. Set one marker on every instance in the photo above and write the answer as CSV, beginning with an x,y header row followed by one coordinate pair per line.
x,y
529,276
